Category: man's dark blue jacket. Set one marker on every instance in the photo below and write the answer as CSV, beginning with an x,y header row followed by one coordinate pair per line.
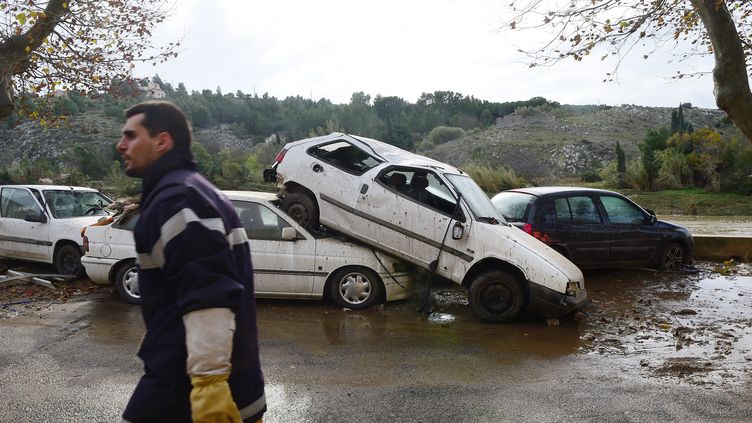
x,y
192,255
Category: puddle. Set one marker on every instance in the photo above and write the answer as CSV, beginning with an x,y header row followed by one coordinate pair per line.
x,y
695,328
441,318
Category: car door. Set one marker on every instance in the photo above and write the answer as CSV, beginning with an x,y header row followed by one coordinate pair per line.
x,y
339,167
573,222
635,236
281,267
410,216
19,237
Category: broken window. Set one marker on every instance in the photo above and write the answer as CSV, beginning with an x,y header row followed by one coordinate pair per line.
x,y
345,156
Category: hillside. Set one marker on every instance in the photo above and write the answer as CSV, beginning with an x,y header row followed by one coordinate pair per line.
x,y
540,144
546,145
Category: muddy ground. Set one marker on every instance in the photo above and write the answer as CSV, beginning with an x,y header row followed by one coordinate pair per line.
x,y
693,326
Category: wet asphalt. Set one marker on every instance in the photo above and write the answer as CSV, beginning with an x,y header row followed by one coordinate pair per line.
x,y
651,347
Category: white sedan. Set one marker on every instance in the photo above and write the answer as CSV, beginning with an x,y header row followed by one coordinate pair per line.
x,y
288,261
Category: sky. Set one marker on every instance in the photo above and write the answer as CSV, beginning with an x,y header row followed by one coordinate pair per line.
x,y
333,48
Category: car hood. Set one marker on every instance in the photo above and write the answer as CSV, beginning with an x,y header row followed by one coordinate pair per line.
x,y
512,238
77,222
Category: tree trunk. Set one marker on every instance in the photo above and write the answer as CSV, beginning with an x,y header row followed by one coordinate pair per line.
x,y
15,50
730,80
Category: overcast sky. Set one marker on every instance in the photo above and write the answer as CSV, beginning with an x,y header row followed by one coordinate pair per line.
x,y
332,48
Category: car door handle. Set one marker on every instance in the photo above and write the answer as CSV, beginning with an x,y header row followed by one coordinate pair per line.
x,y
317,168
364,189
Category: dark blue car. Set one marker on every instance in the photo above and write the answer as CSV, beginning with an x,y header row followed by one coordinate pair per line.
x,y
596,228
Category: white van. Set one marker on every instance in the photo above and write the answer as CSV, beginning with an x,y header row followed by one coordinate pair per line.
x,y
430,214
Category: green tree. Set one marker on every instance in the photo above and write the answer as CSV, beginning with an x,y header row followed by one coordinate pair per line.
x,y
80,45
621,164
719,27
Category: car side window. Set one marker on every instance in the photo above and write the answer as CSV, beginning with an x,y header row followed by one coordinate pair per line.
x,y
583,210
18,203
259,221
345,156
420,186
621,211
576,209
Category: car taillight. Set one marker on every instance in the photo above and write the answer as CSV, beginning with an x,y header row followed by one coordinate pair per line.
x,y
281,155
86,242
528,228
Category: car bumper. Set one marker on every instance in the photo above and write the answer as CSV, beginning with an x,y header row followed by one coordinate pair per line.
x,y
549,303
398,286
98,269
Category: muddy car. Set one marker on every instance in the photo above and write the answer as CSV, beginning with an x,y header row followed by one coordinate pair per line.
x,y
596,228
288,261
42,223
428,213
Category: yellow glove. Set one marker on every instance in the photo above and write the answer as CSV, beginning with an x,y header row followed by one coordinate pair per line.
x,y
211,400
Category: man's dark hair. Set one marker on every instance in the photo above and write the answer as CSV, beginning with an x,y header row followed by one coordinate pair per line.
x,y
163,116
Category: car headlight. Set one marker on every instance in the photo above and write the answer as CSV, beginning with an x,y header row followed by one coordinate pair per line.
x,y
572,288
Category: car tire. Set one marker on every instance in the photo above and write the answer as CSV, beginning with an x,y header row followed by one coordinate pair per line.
x,y
302,208
68,261
496,296
672,257
126,283
355,287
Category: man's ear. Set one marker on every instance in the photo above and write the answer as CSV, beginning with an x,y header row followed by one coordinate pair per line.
x,y
164,142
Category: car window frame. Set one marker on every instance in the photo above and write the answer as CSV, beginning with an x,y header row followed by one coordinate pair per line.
x,y
311,152
379,179
4,201
279,216
626,200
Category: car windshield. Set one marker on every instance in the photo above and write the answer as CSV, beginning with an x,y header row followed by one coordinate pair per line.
x,y
72,203
479,203
512,205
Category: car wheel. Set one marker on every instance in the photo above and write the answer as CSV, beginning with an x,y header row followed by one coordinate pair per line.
x,y
68,261
126,283
496,296
302,208
672,257
356,288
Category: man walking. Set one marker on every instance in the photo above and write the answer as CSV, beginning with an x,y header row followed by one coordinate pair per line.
x,y
200,350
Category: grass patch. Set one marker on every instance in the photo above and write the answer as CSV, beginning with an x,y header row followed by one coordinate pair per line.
x,y
693,201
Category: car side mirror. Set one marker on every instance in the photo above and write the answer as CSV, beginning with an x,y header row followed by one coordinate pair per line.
x,y
289,233
35,217
651,219
458,230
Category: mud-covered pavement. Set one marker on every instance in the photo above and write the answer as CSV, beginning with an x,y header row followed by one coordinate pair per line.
x,y
652,346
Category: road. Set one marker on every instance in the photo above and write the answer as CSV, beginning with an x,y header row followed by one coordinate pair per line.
x,y
651,347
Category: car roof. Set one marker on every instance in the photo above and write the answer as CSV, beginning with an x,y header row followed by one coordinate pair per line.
x,y
539,191
50,187
250,195
393,155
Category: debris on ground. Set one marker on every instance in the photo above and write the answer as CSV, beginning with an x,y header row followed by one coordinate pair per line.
x,y
35,288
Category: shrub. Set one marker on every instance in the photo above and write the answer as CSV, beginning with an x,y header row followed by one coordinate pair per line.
x,y
442,134
493,180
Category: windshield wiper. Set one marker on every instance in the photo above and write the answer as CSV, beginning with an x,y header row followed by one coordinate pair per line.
x,y
489,219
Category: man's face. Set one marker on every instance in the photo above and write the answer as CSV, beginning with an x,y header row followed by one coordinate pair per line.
x,y
138,149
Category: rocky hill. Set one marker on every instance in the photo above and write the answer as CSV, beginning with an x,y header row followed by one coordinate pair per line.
x,y
567,141
539,144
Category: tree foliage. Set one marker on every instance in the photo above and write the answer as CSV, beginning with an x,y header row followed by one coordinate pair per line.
x,y
74,45
722,28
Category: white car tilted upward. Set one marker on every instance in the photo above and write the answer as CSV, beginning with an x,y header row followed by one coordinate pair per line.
x,y
428,213
43,223
288,261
